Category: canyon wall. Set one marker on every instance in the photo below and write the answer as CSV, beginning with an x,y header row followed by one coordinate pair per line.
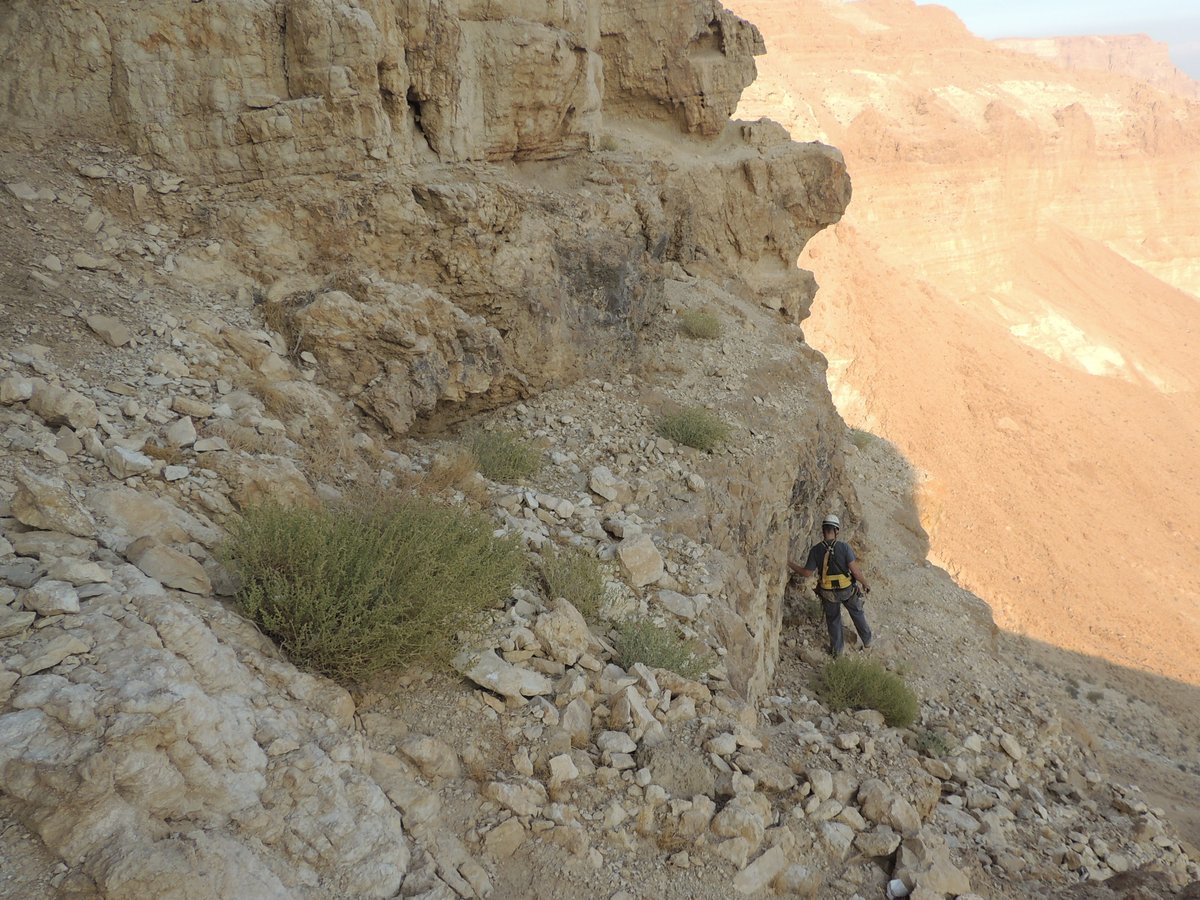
x,y
1012,299
439,209
1135,55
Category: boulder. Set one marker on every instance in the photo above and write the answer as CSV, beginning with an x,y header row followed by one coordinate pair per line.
x,y
640,559
128,515
59,406
50,598
760,873
524,797
14,621
505,839
47,649
48,503
274,480
52,544
168,565
181,433
488,670
576,721
924,862
434,758
15,389
563,632
110,330
125,463
879,841
605,484
882,805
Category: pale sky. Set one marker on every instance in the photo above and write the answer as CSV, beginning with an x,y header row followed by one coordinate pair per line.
x,y
1170,21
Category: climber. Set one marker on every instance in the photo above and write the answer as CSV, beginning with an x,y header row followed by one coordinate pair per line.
x,y
840,583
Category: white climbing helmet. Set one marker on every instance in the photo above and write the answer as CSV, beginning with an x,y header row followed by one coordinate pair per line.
x,y
832,521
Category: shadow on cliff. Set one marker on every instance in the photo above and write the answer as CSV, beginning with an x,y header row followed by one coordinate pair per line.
x,y
1137,728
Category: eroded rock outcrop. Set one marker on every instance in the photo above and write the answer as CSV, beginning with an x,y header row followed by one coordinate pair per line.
x,y
312,85
158,744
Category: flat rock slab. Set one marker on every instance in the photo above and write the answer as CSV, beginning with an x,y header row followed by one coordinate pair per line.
x,y
48,503
172,567
14,621
50,598
490,671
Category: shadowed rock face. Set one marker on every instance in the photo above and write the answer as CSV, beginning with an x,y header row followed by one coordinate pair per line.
x,y
1016,282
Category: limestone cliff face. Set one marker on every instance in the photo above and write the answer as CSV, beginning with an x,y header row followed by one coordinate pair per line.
x,y
1136,55
453,205
508,276
1016,282
237,90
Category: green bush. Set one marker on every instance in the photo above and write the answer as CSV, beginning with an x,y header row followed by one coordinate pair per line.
x,y
694,427
701,325
849,683
641,641
577,576
504,456
349,591
933,743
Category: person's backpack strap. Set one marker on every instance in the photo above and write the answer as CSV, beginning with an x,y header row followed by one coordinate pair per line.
x,y
837,580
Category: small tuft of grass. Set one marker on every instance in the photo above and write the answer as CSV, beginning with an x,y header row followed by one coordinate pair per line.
x,y
700,324
694,427
641,641
354,589
849,683
172,456
575,575
1095,696
504,456
607,142
449,470
246,439
281,399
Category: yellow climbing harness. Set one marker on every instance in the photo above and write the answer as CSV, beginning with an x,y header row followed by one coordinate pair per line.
x,y
835,581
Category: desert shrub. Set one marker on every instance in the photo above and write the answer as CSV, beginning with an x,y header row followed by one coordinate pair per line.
x,y
1095,696
355,589
641,641
577,576
862,439
694,427
933,743
504,456
849,683
607,142
699,324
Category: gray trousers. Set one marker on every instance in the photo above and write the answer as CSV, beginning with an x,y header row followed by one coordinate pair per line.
x,y
832,602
